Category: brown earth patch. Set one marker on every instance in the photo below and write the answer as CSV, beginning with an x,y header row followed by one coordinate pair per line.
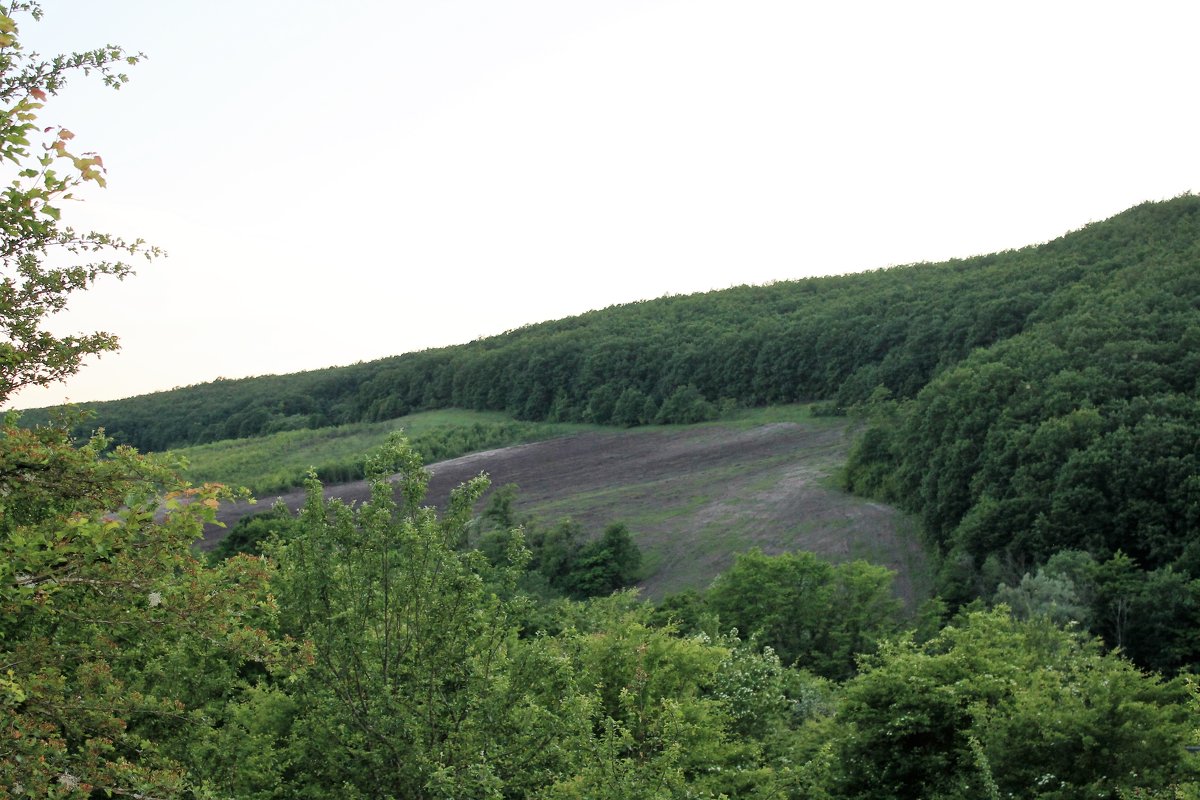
x,y
692,497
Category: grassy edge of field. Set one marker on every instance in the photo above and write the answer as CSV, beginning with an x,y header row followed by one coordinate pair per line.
x,y
280,461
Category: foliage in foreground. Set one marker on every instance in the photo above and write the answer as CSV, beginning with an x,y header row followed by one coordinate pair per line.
x,y
425,684
133,668
997,708
102,606
103,609
422,686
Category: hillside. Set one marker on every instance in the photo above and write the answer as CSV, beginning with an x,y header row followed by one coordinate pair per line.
x,y
693,497
1037,410
834,338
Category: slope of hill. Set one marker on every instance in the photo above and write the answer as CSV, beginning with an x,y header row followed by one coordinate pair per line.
x,y
1037,409
836,337
692,496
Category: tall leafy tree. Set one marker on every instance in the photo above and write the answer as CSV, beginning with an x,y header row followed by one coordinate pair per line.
x,y
817,615
605,565
411,688
113,635
114,638
668,717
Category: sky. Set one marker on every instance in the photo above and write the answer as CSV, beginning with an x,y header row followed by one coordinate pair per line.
x,y
338,182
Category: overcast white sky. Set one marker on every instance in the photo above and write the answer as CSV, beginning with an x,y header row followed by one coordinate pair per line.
x,y
337,182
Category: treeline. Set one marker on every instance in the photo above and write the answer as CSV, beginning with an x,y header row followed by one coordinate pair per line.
x,y
676,359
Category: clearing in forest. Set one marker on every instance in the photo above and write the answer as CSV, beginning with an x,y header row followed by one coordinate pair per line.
x,y
691,496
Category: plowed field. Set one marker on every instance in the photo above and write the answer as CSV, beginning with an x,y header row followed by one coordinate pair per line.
x,y
692,497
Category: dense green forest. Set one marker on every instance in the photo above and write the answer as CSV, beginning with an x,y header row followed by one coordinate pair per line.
x,y
1070,454
1036,410
835,338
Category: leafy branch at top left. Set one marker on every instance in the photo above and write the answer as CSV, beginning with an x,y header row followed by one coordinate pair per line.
x,y
43,261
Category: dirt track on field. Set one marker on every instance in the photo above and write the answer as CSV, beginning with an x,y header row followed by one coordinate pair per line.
x,y
691,497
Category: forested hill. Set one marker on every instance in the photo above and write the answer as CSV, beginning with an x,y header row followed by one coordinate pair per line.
x,y
1067,457
1038,409
671,359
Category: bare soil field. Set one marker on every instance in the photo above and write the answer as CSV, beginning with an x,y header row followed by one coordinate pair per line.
x,y
691,497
